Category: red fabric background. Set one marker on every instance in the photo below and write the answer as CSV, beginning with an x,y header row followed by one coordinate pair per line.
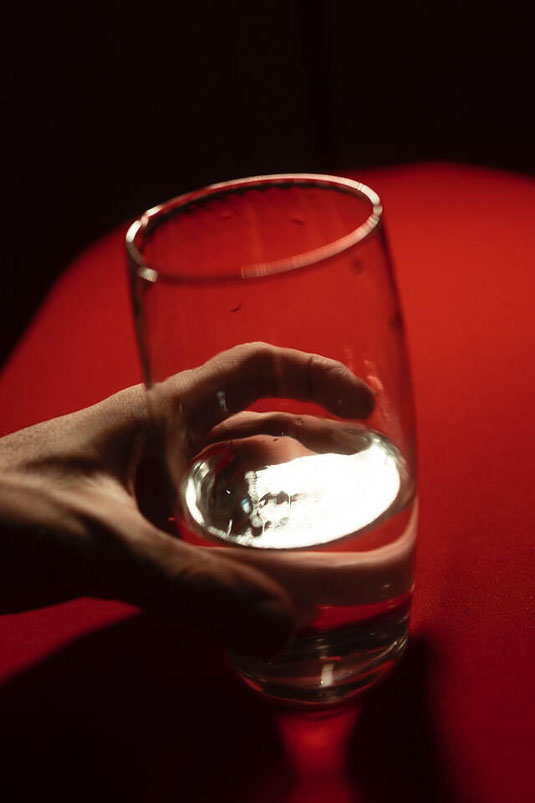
x,y
100,702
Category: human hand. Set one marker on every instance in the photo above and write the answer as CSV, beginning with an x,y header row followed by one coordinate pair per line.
x,y
76,521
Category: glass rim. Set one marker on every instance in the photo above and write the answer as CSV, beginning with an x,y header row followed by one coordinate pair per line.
x,y
262,269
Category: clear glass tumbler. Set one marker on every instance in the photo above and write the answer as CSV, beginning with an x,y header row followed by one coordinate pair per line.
x,y
311,483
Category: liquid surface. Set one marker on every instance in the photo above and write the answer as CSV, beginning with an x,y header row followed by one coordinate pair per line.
x,y
274,493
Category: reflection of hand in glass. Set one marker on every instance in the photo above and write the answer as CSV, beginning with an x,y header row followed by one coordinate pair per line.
x,y
70,515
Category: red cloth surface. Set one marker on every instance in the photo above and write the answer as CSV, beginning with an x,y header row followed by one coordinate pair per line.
x,y
100,702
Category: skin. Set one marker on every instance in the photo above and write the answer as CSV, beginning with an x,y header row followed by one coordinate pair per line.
x,y
83,513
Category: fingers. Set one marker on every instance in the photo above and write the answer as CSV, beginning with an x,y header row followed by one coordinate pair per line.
x,y
247,610
320,435
234,379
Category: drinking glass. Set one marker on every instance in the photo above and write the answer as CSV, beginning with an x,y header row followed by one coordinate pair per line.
x,y
308,471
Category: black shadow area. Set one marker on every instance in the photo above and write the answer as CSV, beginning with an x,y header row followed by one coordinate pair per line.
x,y
394,755
139,711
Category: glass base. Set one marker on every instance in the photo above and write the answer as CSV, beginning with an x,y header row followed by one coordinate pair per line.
x,y
326,668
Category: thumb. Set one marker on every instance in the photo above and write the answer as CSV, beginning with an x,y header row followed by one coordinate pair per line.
x,y
245,608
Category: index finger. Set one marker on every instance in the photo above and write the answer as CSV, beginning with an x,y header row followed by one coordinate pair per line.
x,y
234,379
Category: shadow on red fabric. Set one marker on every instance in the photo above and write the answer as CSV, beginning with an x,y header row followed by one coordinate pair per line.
x,y
144,711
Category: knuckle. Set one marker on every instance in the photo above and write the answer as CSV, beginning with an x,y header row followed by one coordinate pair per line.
x,y
257,353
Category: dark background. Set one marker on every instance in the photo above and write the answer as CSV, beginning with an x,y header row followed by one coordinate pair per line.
x,y
111,108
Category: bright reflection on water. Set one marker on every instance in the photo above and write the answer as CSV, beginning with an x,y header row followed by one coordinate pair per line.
x,y
305,501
